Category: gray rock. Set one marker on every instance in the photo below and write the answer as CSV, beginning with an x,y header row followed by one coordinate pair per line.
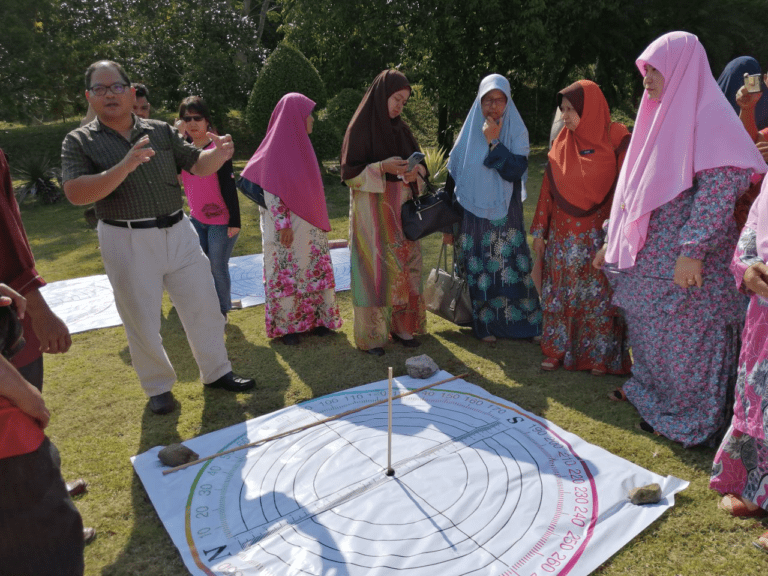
x,y
649,494
176,455
420,366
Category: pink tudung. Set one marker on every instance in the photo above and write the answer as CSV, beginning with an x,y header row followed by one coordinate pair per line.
x,y
285,163
690,128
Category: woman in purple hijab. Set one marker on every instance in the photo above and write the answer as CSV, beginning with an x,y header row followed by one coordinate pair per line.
x,y
298,274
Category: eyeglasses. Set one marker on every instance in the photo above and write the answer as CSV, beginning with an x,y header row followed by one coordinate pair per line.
x,y
193,118
116,88
488,102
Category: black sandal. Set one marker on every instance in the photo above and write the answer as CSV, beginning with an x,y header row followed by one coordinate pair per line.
x,y
645,427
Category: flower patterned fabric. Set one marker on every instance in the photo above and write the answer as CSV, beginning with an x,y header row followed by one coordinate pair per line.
x,y
741,463
497,263
581,328
299,285
685,341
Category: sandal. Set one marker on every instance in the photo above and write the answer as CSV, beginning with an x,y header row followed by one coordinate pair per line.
x,y
550,364
645,427
737,507
617,395
598,371
762,542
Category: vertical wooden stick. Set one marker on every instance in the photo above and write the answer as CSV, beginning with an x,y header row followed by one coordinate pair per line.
x,y
390,471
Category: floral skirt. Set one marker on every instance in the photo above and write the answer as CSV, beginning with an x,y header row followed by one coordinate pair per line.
x,y
741,467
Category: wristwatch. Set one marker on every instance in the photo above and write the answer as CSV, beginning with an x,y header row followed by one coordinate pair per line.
x,y
495,142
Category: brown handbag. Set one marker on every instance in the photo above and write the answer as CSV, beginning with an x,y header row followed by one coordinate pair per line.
x,y
447,294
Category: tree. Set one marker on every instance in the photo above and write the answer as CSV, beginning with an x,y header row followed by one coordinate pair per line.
x,y
42,45
348,41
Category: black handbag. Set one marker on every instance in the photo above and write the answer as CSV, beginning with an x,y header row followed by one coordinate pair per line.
x,y
251,190
434,211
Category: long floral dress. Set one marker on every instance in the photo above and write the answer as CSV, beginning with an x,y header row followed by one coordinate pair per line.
x,y
741,463
581,327
495,257
685,342
298,281
385,265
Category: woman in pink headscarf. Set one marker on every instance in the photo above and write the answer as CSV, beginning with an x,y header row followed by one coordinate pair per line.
x,y
298,274
740,470
670,240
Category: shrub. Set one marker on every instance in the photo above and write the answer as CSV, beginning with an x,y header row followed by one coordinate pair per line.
x,y
421,118
38,173
326,139
286,70
328,132
437,164
342,107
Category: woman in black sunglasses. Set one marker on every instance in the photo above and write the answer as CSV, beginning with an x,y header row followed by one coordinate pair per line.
x,y
213,203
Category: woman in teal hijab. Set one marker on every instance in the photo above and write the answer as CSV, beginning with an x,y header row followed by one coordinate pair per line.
x,y
488,167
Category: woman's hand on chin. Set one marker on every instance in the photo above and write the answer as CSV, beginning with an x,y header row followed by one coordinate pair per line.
x,y
491,129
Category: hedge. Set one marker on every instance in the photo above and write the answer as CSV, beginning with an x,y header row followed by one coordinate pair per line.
x,y
286,70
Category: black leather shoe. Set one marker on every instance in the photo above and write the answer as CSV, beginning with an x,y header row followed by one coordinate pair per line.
x,y
162,403
375,351
233,383
412,343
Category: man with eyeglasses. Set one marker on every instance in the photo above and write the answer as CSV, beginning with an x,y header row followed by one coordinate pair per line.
x,y
128,167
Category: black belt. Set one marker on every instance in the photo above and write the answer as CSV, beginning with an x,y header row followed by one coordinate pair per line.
x,y
159,222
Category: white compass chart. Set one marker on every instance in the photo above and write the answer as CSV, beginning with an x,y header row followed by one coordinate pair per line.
x,y
480,487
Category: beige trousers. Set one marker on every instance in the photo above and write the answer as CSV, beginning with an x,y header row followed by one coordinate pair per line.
x,y
139,265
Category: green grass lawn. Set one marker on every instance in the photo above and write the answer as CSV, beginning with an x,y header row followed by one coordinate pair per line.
x,y
100,417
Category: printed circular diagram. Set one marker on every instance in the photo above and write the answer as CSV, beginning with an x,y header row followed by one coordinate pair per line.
x,y
477,485
83,303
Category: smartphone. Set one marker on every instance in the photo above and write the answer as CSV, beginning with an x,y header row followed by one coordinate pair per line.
x,y
414,159
752,82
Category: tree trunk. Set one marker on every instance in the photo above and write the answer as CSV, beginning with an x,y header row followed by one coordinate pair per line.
x,y
265,6
444,136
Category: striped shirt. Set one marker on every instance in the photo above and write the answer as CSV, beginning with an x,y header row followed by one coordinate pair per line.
x,y
152,189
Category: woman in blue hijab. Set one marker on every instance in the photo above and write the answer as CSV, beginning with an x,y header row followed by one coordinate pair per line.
x,y
732,79
488,167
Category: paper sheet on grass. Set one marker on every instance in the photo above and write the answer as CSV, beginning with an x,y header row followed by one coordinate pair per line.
x,y
481,487
88,303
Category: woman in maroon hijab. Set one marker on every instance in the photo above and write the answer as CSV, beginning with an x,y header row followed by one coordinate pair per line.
x,y
385,266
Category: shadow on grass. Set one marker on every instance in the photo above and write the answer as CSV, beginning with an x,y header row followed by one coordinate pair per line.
x,y
149,545
149,548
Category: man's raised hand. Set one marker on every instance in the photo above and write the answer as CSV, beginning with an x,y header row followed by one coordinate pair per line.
x,y
139,154
223,144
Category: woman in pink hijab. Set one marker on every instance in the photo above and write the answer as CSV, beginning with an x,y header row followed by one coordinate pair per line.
x,y
671,235
740,469
298,273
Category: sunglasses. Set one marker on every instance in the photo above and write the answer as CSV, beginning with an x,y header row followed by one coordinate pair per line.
x,y
193,118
